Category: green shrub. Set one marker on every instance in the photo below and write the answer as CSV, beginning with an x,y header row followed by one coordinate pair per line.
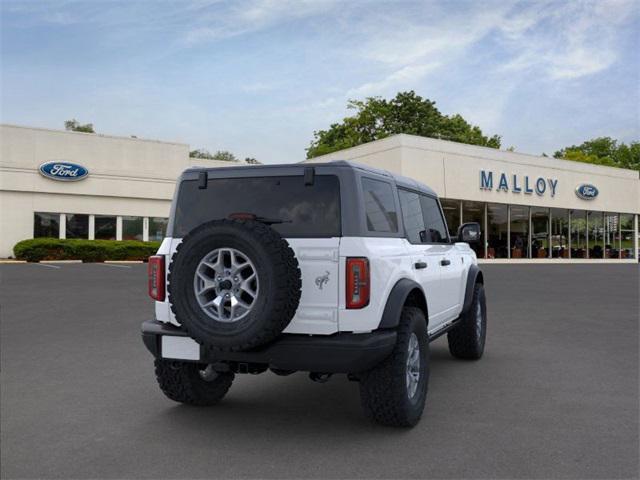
x,y
37,249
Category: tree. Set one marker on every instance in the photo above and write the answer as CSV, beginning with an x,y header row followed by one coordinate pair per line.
x,y
200,153
75,126
377,118
604,151
224,156
221,155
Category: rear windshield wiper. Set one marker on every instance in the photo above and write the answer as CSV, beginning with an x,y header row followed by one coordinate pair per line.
x,y
256,218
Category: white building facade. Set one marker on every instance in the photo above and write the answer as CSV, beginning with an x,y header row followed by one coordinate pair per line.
x,y
126,193
531,208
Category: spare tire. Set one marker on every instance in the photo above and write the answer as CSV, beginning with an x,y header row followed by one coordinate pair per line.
x,y
234,284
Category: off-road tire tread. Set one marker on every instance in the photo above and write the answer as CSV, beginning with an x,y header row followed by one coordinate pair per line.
x,y
463,340
382,389
287,293
181,382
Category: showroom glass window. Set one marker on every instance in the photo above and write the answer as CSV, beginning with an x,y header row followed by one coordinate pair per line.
x,y
595,238
451,210
611,235
132,228
559,233
436,232
77,226
105,227
519,231
474,212
157,228
578,234
46,225
539,232
380,208
626,235
497,230
412,216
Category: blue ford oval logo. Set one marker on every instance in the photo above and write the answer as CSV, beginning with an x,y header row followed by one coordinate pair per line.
x,y
64,171
586,191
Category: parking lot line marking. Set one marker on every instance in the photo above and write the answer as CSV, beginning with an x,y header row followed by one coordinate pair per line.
x,y
113,265
46,265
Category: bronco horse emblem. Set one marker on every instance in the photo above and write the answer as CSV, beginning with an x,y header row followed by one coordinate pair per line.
x,y
322,279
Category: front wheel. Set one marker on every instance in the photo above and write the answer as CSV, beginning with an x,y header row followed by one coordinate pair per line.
x,y
466,340
192,383
394,392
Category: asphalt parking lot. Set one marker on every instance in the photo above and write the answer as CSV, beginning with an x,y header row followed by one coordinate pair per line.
x,y
556,395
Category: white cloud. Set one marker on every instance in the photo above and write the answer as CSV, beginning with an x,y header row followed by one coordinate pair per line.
x,y
402,39
481,59
564,41
246,17
407,49
405,77
557,39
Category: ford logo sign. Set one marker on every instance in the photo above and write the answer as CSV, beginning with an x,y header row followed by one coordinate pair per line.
x,y
63,171
586,191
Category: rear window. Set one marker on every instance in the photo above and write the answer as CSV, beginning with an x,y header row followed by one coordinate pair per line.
x,y
296,209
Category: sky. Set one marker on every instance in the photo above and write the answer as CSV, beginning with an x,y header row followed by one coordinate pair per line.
x,y
258,77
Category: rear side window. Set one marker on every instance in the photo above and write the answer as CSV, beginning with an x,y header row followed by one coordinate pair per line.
x,y
380,207
412,216
292,208
436,230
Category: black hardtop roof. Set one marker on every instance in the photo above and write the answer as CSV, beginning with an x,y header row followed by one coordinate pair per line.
x,y
293,167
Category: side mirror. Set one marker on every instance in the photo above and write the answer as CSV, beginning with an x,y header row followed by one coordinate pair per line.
x,y
469,232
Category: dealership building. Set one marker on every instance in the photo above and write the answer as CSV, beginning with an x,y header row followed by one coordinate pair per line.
x,y
123,192
530,208
536,209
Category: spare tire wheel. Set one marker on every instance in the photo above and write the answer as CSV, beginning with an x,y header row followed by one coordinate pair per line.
x,y
234,284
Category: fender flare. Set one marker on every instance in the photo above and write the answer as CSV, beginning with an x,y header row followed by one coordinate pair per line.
x,y
398,298
474,276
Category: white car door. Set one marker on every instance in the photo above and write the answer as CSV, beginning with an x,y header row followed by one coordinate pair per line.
x,y
450,261
452,280
426,258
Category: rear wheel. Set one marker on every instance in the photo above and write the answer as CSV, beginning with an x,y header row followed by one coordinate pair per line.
x,y
192,383
466,340
394,392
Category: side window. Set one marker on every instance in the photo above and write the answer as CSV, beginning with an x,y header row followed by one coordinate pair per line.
x,y
412,215
380,208
436,231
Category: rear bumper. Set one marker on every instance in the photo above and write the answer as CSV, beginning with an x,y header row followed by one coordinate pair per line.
x,y
338,353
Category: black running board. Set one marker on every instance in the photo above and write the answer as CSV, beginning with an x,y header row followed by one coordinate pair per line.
x,y
444,329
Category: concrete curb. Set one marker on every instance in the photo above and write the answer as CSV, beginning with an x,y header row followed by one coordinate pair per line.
x,y
9,261
60,261
124,261
556,261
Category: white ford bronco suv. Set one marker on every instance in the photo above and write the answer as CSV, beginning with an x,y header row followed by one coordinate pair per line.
x,y
325,268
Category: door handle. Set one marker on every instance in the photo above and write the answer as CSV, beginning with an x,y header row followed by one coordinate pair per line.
x,y
445,262
419,265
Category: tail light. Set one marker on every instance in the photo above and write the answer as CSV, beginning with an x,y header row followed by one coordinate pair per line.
x,y
156,277
358,282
